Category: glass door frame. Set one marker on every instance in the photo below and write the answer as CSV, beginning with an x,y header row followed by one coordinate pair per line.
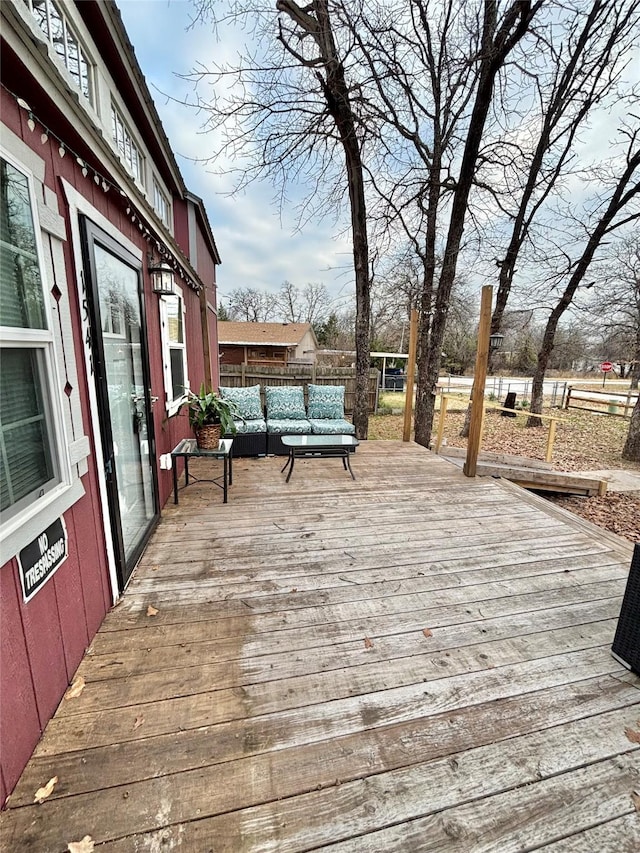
x,y
91,234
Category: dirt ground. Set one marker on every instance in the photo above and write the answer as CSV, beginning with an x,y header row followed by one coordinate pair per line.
x,y
584,442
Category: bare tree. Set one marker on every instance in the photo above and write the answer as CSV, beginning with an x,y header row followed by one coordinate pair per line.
x,y
617,211
584,61
291,115
251,305
631,449
616,306
309,304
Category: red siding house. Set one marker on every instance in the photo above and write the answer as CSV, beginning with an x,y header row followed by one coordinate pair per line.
x,y
107,315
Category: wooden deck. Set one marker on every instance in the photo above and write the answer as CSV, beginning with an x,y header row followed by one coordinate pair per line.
x,y
410,662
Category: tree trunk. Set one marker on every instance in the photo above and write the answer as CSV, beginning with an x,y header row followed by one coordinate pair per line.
x,y
337,95
496,45
631,449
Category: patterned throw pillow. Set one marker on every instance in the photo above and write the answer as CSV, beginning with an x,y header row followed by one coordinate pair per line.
x,y
326,401
247,401
285,401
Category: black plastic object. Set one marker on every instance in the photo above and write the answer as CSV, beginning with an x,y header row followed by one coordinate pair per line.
x,y
626,643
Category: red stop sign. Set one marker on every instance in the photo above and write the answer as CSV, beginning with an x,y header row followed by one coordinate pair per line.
x,y
606,366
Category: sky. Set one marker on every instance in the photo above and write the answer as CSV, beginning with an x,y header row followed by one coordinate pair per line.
x,y
257,248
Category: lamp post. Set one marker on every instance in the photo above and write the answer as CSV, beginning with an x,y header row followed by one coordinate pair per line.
x,y
486,342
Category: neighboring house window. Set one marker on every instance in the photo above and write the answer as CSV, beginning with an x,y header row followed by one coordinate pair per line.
x,y
174,351
29,431
127,147
160,203
60,34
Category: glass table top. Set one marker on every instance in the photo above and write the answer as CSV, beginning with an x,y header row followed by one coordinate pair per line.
x,y
318,441
189,447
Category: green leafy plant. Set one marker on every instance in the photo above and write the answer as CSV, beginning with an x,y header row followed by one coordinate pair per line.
x,y
207,408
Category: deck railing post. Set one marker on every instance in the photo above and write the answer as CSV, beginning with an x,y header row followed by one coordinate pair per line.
x,y
479,379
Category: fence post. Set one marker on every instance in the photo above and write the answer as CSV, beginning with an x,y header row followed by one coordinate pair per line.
x,y
443,411
568,400
550,440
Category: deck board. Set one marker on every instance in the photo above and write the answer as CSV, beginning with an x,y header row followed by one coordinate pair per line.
x,y
286,697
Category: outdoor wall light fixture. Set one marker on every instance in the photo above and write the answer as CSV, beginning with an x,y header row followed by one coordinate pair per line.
x,y
162,278
495,341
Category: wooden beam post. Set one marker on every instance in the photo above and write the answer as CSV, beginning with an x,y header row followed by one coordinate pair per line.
x,y
479,379
443,413
411,364
550,440
206,346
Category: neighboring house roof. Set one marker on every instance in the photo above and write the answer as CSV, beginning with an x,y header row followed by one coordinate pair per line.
x,y
261,334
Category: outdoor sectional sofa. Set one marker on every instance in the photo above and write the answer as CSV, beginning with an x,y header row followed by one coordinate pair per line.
x,y
259,434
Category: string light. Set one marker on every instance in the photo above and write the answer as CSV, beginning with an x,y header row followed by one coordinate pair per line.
x,y
105,184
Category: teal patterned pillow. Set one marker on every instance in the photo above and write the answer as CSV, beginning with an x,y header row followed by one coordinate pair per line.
x,y
285,401
247,401
326,401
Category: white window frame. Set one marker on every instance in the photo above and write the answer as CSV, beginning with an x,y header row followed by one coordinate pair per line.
x,y
161,203
125,145
173,404
83,55
44,340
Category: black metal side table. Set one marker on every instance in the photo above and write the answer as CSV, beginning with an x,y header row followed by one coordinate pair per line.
x,y
188,449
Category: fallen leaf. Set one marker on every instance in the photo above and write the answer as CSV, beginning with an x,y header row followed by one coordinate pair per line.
x,y
635,799
76,688
632,735
151,611
295,589
368,644
42,793
84,846
427,632
139,721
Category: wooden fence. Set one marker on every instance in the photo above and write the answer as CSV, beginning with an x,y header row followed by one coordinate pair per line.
x,y
608,405
242,375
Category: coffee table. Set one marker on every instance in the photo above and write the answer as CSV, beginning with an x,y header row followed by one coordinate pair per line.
x,y
188,449
319,446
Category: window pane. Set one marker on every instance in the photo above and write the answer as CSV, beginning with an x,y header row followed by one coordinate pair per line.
x,y
174,319
177,372
40,13
25,440
21,298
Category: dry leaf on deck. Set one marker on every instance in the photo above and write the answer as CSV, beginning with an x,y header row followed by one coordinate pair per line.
x,y
76,688
427,632
635,799
42,793
139,721
368,644
632,735
84,846
151,611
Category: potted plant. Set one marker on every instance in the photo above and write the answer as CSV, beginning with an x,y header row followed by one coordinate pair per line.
x,y
210,417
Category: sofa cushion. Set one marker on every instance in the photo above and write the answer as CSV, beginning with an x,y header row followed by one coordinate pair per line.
x,y
252,426
331,426
285,402
326,401
288,426
247,400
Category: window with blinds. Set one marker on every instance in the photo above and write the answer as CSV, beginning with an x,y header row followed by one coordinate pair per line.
x,y
27,448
